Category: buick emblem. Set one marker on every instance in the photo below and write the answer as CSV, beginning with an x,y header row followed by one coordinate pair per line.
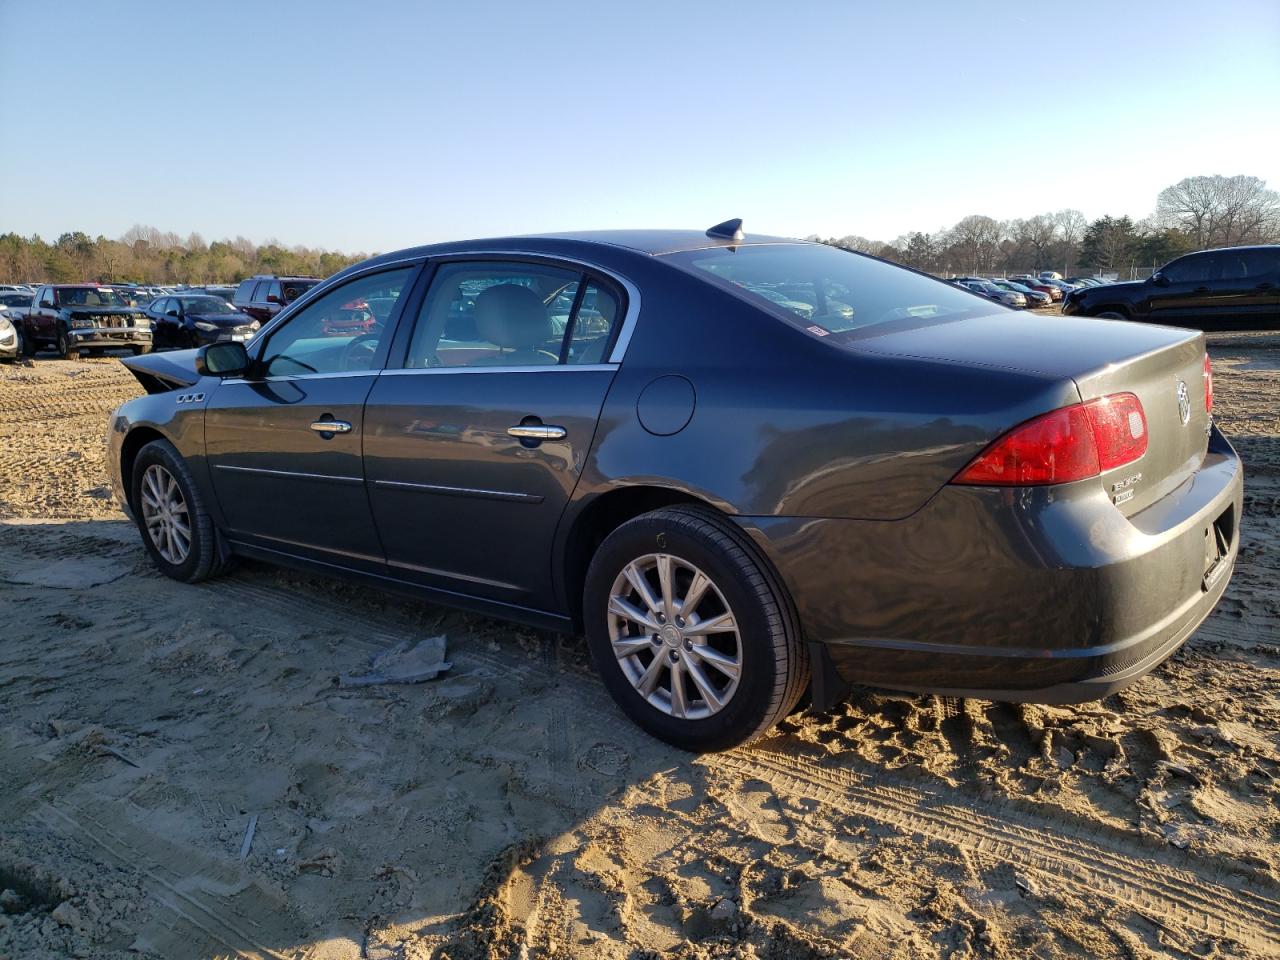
x,y
1184,403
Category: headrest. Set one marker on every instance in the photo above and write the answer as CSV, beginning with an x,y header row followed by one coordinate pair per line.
x,y
512,316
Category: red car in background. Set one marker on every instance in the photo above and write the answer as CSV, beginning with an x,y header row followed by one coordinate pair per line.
x,y
1035,283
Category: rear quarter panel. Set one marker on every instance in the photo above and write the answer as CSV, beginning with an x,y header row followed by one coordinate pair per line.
x,y
787,425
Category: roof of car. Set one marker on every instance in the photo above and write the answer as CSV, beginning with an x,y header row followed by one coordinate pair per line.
x,y
646,242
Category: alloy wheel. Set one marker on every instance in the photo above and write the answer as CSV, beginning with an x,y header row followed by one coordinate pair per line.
x,y
165,514
675,637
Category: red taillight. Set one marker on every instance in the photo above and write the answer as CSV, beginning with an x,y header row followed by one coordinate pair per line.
x,y
1073,443
1208,385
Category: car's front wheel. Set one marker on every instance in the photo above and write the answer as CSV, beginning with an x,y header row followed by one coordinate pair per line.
x,y
66,350
177,530
691,631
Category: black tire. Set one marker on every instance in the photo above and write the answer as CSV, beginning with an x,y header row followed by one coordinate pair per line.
x,y
203,560
774,663
1112,315
140,349
65,350
28,345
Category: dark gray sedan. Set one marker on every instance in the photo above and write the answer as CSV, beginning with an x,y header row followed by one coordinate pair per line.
x,y
747,468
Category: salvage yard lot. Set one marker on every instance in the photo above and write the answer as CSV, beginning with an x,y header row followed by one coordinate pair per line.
x,y
182,776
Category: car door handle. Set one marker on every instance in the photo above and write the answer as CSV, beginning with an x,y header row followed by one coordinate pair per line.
x,y
538,431
331,426
1201,290
1265,286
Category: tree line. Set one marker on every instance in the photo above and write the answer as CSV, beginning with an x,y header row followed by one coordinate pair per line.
x,y
150,256
1193,214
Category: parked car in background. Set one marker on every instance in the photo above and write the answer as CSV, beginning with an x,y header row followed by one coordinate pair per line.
x,y
1034,298
1035,283
985,288
10,334
265,295
15,300
76,318
184,320
1084,281
1049,275
1231,288
227,293
946,497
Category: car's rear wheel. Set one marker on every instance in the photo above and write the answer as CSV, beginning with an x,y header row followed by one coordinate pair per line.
x,y
65,349
691,631
1112,315
177,530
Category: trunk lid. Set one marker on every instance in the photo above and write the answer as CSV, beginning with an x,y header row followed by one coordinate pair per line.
x,y
1102,357
1169,381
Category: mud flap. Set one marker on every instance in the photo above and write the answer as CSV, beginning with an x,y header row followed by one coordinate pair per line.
x,y
826,686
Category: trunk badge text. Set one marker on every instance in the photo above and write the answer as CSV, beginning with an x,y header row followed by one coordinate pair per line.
x,y
1122,490
1184,403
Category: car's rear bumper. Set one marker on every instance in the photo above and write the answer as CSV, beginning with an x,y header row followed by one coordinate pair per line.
x,y
1048,595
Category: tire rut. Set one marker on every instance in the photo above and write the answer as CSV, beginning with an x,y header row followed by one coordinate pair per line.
x,y
174,878
1079,855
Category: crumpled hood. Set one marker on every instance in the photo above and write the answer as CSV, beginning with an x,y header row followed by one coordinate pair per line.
x,y
161,372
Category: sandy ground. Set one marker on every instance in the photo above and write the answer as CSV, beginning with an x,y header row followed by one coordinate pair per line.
x,y
181,776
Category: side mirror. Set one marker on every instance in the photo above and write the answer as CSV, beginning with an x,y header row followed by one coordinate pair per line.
x,y
46,303
272,298
226,359
1159,279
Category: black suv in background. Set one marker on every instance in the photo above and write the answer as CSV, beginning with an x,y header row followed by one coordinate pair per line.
x,y
1231,288
265,295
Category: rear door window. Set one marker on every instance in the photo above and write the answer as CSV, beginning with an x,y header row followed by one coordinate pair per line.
x,y
495,314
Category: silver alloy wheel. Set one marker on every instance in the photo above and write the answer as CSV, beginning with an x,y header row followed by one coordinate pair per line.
x,y
164,511
674,635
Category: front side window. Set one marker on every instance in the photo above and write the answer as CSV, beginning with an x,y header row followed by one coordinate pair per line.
x,y
338,333
1193,269
827,291
493,314
292,289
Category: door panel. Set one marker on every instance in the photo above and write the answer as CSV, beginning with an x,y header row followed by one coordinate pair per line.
x,y
462,505
282,483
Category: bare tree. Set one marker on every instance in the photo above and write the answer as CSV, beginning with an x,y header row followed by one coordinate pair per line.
x,y
1221,211
975,240
1070,225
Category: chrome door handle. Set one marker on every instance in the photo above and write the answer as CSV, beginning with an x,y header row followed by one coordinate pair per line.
x,y
537,431
331,426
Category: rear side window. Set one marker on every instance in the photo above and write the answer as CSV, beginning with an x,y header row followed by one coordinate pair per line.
x,y
244,292
495,314
828,291
1247,264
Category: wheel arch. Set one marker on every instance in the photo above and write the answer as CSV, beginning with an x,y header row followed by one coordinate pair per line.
x,y
134,441
599,517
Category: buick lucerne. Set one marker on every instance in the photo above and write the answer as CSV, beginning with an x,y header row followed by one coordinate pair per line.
x,y
748,469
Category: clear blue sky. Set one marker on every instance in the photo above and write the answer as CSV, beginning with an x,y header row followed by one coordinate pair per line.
x,y
376,125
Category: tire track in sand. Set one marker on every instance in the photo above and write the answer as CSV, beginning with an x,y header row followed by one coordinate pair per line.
x,y
1092,859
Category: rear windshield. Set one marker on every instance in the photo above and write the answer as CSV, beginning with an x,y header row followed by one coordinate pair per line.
x,y
828,291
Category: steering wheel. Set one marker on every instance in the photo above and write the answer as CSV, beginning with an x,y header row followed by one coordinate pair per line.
x,y
358,354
